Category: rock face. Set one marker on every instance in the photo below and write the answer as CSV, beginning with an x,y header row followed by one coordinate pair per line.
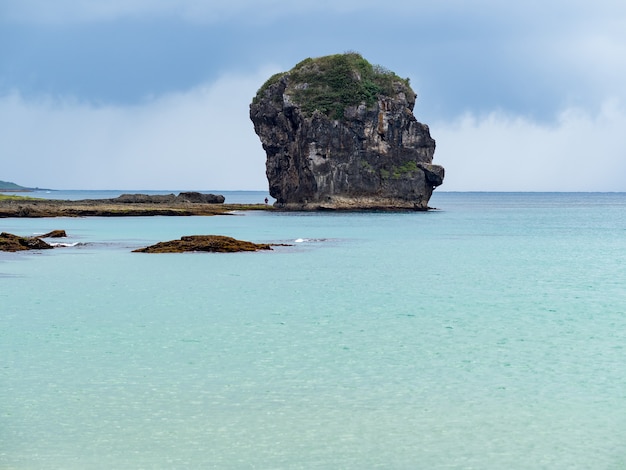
x,y
340,133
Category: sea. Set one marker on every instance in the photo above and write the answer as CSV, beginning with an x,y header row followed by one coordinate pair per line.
x,y
489,333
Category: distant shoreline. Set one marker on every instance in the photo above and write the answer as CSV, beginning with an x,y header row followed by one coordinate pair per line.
x,y
38,208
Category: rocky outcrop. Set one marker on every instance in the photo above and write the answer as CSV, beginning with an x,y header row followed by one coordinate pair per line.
x,y
340,133
12,243
208,243
54,234
201,198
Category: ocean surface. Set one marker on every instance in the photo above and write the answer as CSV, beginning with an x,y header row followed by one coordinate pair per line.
x,y
487,334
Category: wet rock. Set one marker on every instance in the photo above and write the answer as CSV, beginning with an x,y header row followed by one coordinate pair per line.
x,y
207,243
12,243
54,234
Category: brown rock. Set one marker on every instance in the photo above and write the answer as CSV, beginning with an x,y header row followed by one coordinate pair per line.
x,y
10,242
54,234
207,243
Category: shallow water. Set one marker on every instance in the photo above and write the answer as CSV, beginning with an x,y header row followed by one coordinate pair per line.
x,y
488,334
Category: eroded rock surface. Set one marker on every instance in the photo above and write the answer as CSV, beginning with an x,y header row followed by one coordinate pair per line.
x,y
340,133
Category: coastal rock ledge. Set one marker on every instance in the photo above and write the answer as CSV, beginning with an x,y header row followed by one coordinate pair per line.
x,y
339,133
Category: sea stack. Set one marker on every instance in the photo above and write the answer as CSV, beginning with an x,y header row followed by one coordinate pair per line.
x,y
339,133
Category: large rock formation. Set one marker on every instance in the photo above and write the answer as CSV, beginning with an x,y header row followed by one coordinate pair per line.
x,y
340,133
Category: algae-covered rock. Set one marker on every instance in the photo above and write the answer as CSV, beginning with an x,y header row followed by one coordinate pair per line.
x,y
10,242
208,243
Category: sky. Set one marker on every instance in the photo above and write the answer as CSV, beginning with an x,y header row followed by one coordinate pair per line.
x,y
155,94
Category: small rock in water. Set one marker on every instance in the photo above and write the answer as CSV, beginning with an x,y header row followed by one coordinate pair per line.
x,y
10,242
207,243
54,234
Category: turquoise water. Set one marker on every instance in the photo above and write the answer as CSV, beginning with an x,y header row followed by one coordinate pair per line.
x,y
489,334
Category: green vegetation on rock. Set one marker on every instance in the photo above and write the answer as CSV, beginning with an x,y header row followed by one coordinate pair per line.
x,y
268,83
330,84
397,172
408,167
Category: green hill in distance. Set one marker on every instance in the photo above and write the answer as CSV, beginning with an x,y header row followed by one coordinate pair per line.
x,y
8,186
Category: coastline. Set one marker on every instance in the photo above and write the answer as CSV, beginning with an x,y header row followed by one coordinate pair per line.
x,y
36,208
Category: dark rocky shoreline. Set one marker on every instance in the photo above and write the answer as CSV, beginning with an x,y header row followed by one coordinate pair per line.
x,y
139,205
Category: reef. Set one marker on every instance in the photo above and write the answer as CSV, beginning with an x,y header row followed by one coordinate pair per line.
x,y
204,243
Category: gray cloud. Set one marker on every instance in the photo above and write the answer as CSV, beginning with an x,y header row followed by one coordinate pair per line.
x,y
503,152
203,139
199,139
520,96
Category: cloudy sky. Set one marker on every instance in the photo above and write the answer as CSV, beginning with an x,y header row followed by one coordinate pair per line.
x,y
154,94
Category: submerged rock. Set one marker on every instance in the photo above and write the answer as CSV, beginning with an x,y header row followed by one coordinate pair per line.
x,y
340,133
208,243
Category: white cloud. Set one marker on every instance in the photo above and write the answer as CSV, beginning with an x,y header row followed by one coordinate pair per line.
x,y
203,139
199,139
501,152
